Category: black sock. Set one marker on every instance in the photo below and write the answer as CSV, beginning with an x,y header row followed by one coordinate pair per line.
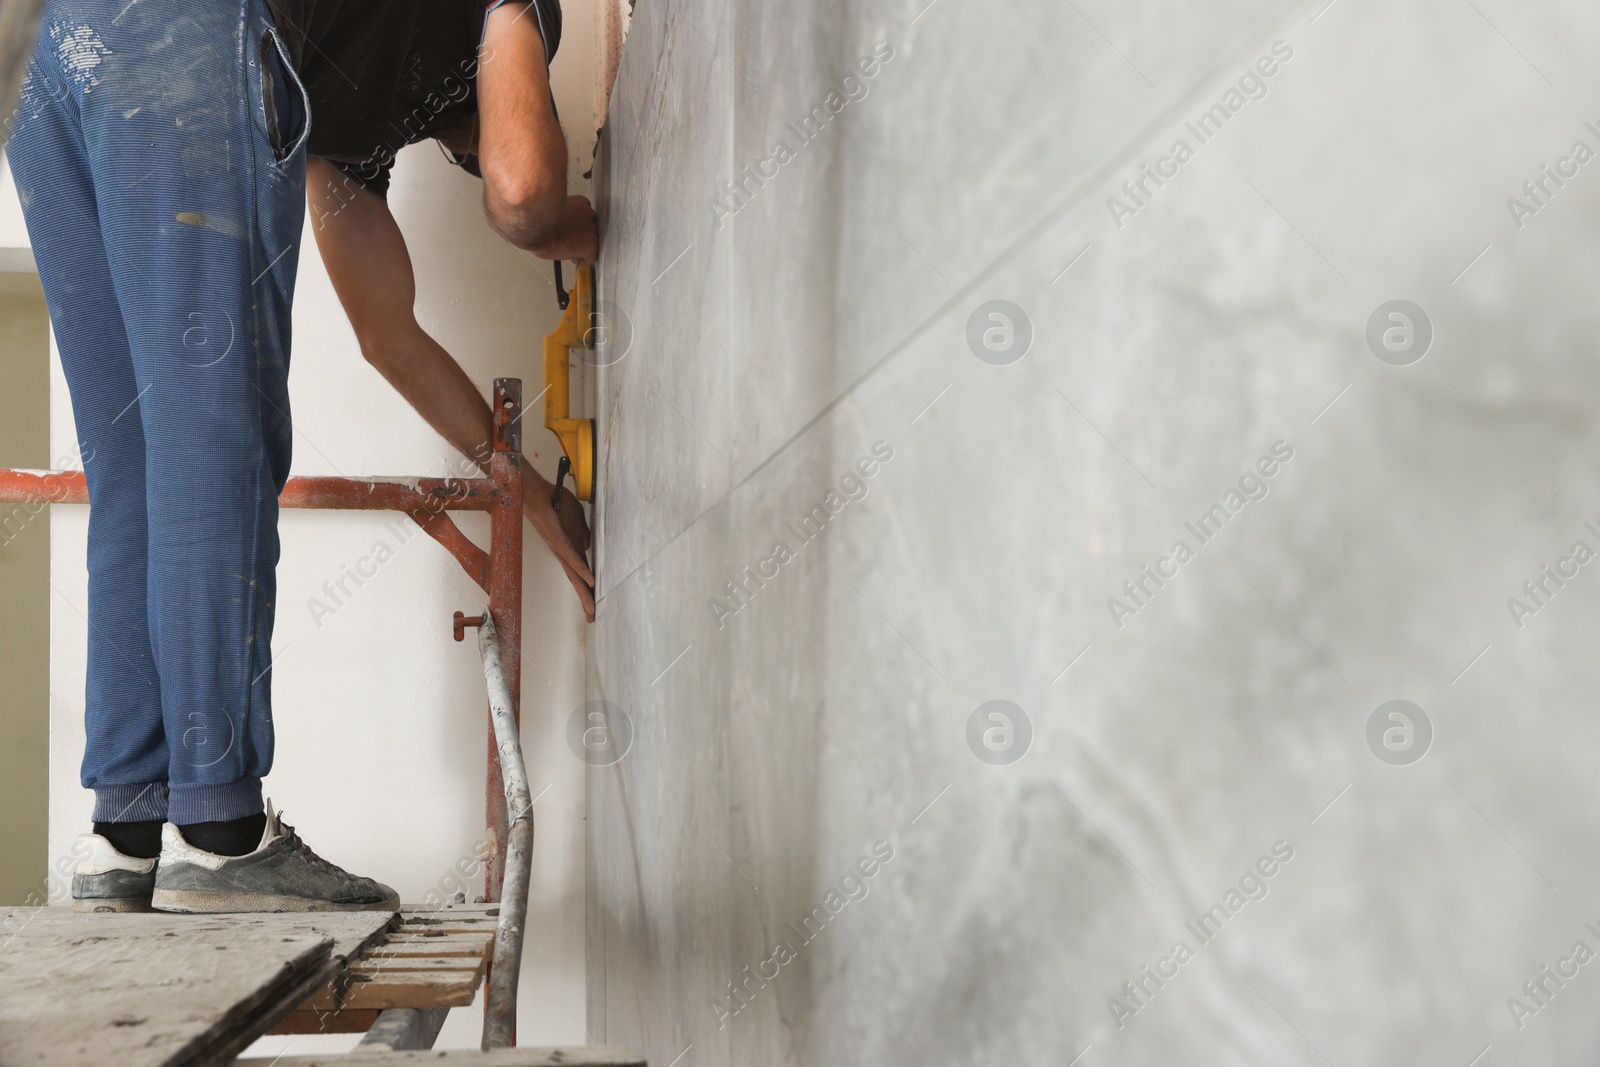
x,y
141,840
234,837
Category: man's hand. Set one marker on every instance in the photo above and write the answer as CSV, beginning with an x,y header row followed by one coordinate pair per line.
x,y
573,522
565,531
578,236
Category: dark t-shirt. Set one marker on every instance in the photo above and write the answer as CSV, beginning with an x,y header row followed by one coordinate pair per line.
x,y
384,75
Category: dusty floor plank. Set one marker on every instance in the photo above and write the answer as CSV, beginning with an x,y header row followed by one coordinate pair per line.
x,y
159,990
378,964
452,909
407,936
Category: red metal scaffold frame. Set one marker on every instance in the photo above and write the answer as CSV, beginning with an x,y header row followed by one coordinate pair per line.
x,y
428,501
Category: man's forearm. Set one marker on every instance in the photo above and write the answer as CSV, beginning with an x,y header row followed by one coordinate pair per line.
x,y
434,384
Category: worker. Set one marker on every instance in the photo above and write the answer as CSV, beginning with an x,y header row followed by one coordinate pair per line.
x,y
492,111
160,151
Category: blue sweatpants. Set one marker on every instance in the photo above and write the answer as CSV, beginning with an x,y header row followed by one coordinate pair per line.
x,y
158,151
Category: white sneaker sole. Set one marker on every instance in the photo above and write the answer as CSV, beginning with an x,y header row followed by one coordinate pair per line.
x,y
199,902
110,905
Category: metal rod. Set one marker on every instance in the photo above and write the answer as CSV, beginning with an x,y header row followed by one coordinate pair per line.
x,y
341,494
404,1030
500,1015
505,595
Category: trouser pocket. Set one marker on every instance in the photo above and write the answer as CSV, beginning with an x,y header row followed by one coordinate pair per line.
x,y
285,106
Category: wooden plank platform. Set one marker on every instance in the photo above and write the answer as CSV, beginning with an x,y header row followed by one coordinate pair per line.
x,y
431,959
156,990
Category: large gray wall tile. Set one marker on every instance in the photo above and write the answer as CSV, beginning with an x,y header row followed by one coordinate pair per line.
x,y
1226,715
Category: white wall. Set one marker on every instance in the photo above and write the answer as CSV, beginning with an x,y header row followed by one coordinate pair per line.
x,y
24,588
380,715
13,233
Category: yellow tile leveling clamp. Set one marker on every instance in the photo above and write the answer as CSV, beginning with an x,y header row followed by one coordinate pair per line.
x,y
576,435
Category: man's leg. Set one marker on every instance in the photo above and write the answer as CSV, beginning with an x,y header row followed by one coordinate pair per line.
x,y
187,126
166,228
185,117
125,760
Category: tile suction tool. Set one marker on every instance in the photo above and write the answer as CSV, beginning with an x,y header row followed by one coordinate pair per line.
x,y
575,331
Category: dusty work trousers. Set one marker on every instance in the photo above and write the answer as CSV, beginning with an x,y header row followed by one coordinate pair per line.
x,y
158,152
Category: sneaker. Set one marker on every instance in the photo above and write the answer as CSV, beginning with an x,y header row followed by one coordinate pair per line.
x,y
282,874
106,880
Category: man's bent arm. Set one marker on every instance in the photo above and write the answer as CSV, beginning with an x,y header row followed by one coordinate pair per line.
x,y
521,152
370,268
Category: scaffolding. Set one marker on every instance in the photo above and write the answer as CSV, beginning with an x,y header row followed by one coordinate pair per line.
x,y
498,571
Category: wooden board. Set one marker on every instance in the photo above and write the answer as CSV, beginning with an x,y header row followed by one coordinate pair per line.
x,y
573,1056
431,959
452,911
158,990
443,945
399,989
382,962
453,920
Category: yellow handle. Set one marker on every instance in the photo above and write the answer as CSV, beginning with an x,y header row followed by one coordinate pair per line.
x,y
576,435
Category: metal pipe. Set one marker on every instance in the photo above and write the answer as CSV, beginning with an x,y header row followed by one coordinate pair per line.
x,y
509,814
500,1016
505,599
